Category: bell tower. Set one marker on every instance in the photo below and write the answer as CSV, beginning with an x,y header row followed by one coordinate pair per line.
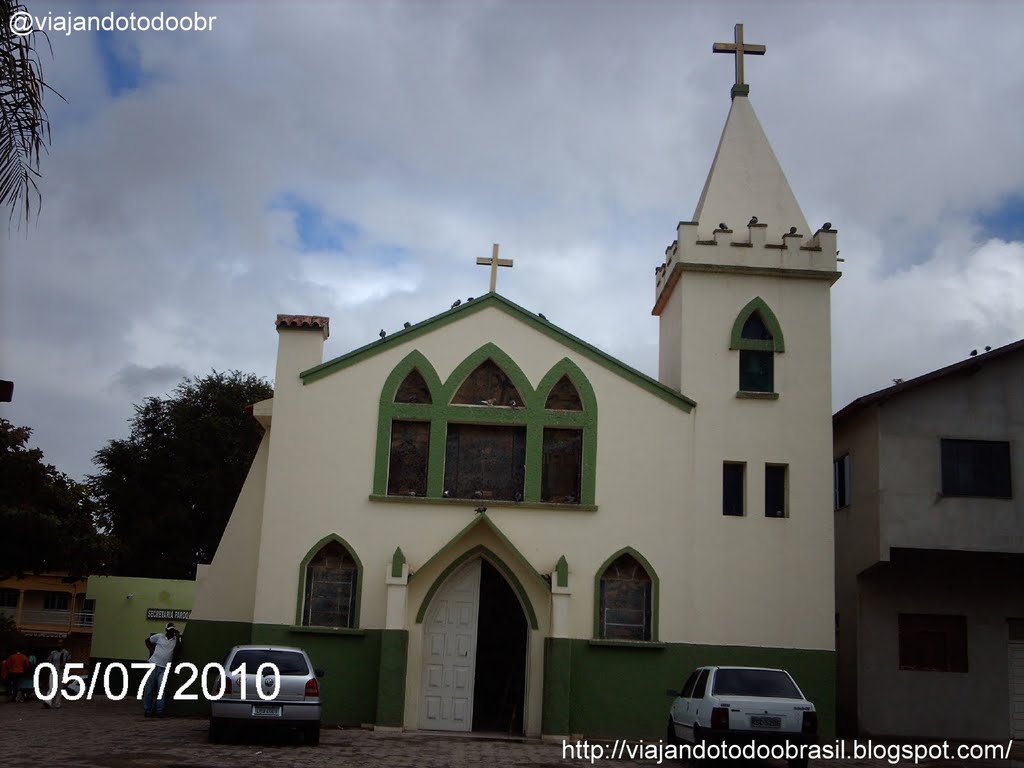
x,y
743,299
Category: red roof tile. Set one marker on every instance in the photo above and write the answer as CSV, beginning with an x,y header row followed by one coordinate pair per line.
x,y
305,321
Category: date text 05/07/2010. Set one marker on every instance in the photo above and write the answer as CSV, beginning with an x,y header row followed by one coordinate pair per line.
x,y
113,681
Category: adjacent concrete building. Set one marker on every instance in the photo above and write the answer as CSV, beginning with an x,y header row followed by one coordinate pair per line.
x,y
930,553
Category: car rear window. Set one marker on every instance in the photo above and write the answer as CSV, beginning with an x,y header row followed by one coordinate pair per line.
x,y
288,662
755,682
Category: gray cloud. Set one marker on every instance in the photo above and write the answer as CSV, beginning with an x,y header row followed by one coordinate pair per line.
x,y
139,381
576,135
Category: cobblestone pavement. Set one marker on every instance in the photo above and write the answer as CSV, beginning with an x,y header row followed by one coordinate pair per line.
x,y
106,734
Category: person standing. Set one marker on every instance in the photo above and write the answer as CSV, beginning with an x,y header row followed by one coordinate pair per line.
x,y
58,658
162,649
17,666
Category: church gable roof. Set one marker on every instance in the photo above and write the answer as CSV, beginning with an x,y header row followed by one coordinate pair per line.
x,y
512,309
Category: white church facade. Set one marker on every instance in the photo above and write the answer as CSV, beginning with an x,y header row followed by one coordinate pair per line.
x,y
482,522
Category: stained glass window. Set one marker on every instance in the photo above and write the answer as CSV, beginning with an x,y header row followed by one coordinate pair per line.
x,y
488,385
331,578
625,600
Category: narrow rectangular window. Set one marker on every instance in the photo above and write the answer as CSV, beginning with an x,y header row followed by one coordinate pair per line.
x,y
732,489
562,467
8,598
757,372
933,642
841,482
775,490
410,454
976,468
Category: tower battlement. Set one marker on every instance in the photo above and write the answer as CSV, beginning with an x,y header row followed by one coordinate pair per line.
x,y
798,254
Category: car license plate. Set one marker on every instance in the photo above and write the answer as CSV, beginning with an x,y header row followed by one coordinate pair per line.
x,y
762,721
266,710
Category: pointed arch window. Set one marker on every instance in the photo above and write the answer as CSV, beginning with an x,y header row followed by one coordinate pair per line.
x,y
757,336
331,587
486,434
625,600
488,385
414,389
564,396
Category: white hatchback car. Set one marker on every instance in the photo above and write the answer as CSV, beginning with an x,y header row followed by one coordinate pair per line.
x,y
295,704
740,705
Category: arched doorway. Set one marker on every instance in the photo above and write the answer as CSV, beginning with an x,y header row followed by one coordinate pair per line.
x,y
475,636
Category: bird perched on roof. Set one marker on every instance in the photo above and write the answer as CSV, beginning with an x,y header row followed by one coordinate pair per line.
x,y
721,225
827,225
480,510
541,316
383,333
987,348
974,352
456,303
469,299
407,324
752,222
792,230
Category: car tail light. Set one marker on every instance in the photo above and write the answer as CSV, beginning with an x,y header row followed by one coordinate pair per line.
x,y
312,688
810,724
720,718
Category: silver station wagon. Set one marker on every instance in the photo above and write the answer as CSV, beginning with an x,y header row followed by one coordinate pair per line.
x,y
279,688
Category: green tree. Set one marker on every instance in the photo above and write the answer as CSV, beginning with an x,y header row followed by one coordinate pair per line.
x,y
24,125
167,491
47,520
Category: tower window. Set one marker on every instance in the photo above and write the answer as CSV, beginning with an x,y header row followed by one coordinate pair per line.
x,y
758,338
775,490
757,371
732,489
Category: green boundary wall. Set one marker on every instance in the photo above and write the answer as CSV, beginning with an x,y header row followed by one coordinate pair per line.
x,y
606,690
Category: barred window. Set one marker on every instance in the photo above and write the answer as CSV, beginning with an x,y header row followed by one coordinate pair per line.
x,y
625,610
331,583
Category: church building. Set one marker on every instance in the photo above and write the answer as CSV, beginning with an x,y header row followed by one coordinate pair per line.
x,y
484,523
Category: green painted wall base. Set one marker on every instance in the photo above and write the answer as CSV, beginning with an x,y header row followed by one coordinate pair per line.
x,y
557,701
598,690
618,691
394,646
351,662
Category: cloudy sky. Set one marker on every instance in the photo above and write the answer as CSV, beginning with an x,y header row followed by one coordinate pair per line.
x,y
353,159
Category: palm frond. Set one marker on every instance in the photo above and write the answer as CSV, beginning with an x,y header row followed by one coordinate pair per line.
x,y
24,124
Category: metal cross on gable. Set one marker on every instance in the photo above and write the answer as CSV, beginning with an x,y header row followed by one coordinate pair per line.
x,y
494,262
738,48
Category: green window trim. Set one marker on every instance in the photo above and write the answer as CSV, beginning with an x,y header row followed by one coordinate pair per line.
x,y
485,553
532,415
655,590
489,503
305,630
302,583
643,645
776,344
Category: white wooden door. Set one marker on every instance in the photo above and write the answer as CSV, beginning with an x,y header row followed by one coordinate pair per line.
x,y
1017,690
449,653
